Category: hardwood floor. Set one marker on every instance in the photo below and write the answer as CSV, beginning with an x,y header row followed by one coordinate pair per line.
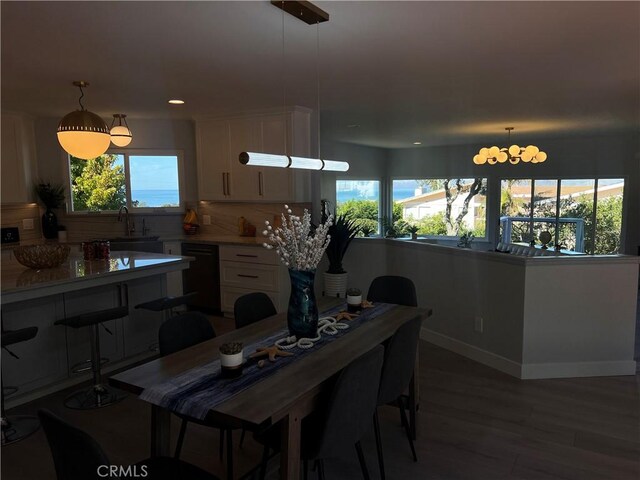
x,y
475,423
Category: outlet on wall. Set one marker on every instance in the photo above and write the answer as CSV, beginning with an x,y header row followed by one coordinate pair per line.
x,y
27,224
478,324
206,219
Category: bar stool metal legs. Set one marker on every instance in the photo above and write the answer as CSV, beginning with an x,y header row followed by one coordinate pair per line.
x,y
99,395
16,427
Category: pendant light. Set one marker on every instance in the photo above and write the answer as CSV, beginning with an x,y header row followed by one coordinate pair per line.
x,y
83,134
310,14
513,154
120,134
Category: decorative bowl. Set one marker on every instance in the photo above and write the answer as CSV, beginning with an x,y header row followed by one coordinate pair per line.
x,y
42,256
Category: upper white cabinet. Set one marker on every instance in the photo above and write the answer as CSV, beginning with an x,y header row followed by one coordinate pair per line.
x,y
18,158
221,140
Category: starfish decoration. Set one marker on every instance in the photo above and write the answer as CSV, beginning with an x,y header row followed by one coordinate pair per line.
x,y
366,304
346,316
272,352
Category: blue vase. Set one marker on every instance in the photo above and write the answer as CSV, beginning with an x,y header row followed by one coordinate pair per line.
x,y
302,315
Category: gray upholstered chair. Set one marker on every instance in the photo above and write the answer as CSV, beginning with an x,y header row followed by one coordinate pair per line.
x,y
345,420
397,370
77,456
393,289
180,332
251,308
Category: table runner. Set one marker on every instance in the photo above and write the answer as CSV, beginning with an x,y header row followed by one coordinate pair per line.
x,y
196,391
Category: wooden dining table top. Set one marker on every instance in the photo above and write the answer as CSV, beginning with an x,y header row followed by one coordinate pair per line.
x,y
269,400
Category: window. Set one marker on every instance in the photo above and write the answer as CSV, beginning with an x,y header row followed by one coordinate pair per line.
x,y
440,207
581,215
133,179
360,200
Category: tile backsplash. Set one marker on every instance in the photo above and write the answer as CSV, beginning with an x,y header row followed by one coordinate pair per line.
x,y
81,227
224,216
14,215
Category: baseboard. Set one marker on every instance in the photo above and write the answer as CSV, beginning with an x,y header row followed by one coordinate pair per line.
x,y
492,360
578,369
530,371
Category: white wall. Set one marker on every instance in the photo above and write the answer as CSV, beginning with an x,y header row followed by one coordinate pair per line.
x,y
541,317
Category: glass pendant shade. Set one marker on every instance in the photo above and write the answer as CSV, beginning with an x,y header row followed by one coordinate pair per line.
x,y
514,150
121,135
306,163
83,134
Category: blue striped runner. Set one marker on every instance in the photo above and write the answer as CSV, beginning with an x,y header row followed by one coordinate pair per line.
x,y
196,391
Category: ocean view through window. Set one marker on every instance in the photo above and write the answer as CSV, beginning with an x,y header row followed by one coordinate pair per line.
x,y
139,181
359,200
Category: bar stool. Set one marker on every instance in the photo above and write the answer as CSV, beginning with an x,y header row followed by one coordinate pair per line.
x,y
17,427
98,395
167,306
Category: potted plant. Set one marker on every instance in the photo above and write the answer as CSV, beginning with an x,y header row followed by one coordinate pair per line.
x,y
413,230
366,229
51,196
342,231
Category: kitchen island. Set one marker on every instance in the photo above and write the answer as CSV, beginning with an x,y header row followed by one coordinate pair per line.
x,y
40,297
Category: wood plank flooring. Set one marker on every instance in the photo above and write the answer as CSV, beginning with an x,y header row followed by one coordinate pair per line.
x,y
475,423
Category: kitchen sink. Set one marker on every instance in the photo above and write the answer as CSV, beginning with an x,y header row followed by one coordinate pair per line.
x,y
137,244
133,239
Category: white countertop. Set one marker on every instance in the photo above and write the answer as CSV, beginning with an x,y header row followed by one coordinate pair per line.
x,y
21,283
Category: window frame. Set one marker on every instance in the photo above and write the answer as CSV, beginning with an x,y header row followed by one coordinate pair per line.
x,y
559,179
381,197
126,153
445,237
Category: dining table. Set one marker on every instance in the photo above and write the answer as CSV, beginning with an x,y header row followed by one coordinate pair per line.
x,y
287,395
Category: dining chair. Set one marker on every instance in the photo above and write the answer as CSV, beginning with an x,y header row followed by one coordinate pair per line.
x,y
342,423
393,289
180,332
77,456
251,308
397,370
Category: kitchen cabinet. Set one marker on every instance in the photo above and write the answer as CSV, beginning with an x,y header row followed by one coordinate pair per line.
x,y
251,269
18,158
219,141
174,279
49,358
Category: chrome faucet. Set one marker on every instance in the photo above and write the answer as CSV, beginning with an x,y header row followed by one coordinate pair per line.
x,y
129,226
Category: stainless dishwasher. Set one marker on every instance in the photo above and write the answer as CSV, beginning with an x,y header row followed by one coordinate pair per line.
x,y
203,276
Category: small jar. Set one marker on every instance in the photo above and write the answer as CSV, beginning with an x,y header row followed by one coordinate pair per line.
x,y
354,302
88,250
102,249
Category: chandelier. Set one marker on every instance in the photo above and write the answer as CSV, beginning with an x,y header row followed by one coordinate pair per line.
x,y
514,154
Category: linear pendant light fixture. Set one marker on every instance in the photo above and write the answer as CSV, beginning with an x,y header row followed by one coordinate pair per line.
x,y
514,154
83,134
310,14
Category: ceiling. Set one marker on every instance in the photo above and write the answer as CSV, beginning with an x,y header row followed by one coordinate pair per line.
x,y
435,72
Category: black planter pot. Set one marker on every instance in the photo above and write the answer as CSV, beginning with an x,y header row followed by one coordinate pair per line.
x,y
49,224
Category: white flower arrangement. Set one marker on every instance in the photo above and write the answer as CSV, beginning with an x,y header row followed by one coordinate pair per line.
x,y
298,247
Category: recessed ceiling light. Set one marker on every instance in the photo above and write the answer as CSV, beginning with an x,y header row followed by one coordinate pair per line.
x,y
353,125
417,143
175,101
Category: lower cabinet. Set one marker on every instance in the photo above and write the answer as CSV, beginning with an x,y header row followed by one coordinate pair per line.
x,y
47,361
251,269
